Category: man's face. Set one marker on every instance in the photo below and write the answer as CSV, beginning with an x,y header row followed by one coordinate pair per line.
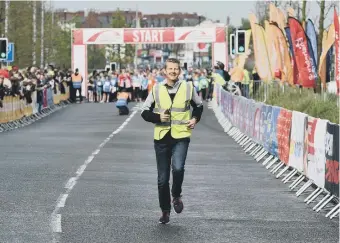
x,y
172,71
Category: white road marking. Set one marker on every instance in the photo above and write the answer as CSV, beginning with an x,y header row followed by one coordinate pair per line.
x,y
56,216
71,182
81,170
96,151
62,201
56,223
89,159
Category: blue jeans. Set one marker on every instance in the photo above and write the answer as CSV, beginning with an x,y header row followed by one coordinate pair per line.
x,y
177,152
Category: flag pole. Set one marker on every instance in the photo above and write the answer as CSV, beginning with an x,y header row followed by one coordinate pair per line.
x,y
136,45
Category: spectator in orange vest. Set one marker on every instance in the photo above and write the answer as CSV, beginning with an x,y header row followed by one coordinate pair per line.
x,y
77,80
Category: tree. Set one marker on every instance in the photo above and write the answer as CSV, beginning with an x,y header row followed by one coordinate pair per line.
x,y
304,3
262,11
321,28
118,21
2,16
96,54
324,11
96,57
20,31
245,24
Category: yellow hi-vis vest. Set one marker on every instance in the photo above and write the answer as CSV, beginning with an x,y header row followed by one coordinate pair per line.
x,y
218,79
179,110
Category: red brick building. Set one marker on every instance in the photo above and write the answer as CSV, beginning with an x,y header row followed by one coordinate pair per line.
x,y
103,19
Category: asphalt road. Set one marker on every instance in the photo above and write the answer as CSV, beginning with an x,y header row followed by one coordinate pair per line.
x,y
227,196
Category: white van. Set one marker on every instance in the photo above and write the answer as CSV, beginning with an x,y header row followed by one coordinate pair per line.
x,y
113,66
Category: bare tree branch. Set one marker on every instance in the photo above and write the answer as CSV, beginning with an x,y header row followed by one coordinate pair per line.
x,y
331,5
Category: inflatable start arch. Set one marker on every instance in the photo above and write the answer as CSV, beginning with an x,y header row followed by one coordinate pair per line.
x,y
180,35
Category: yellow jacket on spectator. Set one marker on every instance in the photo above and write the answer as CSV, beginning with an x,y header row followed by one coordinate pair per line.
x,y
218,79
246,78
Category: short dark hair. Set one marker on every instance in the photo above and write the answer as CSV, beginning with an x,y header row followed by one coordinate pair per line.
x,y
172,60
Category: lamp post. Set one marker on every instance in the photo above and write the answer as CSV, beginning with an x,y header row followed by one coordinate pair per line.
x,y
34,32
6,16
137,25
185,23
199,50
65,13
42,36
65,34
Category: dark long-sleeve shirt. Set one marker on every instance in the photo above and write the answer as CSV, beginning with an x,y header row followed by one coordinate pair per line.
x,y
149,104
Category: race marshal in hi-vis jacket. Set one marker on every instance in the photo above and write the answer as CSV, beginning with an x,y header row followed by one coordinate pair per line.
x,y
168,107
76,79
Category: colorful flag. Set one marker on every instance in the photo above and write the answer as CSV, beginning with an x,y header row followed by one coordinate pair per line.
x,y
311,34
294,74
327,42
304,61
282,48
260,50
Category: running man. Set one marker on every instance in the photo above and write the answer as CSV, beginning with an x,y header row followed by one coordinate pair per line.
x,y
168,107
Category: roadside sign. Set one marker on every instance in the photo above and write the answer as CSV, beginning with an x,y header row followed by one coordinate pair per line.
x,y
10,52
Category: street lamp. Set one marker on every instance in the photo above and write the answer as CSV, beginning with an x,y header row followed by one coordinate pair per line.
x,y
145,24
65,34
65,14
199,50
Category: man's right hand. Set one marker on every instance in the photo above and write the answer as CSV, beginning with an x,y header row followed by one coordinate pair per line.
x,y
165,117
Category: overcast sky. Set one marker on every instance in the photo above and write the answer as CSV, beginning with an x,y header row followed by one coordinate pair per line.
x,y
215,10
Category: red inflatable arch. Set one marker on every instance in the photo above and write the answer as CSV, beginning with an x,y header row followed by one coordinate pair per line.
x,y
88,36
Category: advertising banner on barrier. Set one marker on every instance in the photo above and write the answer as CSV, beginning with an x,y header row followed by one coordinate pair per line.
x,y
250,118
262,124
242,115
297,141
217,89
230,102
273,140
308,144
257,122
283,134
267,128
34,102
49,97
224,102
15,108
235,111
45,102
316,159
332,159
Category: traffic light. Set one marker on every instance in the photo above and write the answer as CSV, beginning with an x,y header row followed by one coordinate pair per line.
x,y
232,44
3,48
240,41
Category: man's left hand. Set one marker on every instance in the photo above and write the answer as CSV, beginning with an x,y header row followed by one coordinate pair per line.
x,y
191,123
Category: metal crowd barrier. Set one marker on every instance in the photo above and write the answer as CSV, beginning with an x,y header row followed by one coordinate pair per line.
x,y
17,112
291,144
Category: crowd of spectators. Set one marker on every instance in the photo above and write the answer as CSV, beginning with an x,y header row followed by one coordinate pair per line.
x,y
23,82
